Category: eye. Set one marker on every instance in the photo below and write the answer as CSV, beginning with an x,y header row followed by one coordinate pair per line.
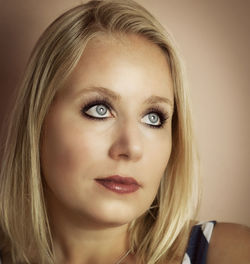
x,y
152,119
98,111
101,109
155,118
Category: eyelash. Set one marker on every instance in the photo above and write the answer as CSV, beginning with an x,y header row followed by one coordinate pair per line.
x,y
163,115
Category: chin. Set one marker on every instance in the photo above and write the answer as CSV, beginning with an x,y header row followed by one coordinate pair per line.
x,y
119,216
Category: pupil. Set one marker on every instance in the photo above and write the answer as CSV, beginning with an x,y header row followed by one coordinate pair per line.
x,y
153,118
101,109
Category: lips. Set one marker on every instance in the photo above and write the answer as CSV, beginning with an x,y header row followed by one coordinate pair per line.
x,y
119,184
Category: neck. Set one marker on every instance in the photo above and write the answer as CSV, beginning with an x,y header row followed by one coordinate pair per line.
x,y
85,246
80,240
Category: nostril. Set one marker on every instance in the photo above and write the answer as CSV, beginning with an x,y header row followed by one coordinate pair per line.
x,y
126,156
125,151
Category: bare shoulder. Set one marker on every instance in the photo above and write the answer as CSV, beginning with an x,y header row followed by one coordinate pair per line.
x,y
229,244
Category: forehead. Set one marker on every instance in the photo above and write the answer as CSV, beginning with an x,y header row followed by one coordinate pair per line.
x,y
124,63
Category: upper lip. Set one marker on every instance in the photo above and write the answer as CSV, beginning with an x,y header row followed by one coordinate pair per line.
x,y
120,179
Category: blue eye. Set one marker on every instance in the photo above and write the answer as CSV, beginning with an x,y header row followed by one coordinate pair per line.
x,y
154,119
101,110
97,110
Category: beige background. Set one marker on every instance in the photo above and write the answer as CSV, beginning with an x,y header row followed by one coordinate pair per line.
x,y
214,39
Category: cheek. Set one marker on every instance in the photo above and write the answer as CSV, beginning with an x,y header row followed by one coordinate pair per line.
x,y
66,153
156,163
59,152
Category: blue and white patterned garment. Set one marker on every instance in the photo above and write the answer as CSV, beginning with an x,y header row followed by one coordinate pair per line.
x,y
197,247
198,243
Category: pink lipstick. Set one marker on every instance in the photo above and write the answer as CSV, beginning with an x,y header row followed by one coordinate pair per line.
x,y
119,184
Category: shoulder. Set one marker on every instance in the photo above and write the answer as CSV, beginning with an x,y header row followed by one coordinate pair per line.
x,y
229,244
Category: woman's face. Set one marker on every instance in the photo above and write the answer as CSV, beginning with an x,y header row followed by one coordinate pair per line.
x,y
111,118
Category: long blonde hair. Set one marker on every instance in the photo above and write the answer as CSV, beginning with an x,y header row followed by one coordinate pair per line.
x,y
24,224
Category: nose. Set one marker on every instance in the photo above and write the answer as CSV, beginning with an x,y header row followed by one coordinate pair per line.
x,y
127,143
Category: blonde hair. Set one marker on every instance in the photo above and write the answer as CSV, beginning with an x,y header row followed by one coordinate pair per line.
x,y
23,217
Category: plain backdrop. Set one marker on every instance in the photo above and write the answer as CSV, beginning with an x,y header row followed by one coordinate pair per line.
x,y
213,36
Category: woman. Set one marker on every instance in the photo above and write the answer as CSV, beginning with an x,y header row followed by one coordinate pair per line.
x,y
99,161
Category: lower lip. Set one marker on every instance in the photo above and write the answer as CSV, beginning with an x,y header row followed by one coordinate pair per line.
x,y
118,187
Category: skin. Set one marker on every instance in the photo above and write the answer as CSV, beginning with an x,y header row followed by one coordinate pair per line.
x,y
230,243
76,150
89,222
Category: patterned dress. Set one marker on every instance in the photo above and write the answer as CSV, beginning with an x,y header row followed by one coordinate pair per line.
x,y
197,247
198,243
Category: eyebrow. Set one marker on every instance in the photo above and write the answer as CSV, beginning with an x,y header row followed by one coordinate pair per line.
x,y
116,97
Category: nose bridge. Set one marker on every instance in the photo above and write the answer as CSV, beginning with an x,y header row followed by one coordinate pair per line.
x,y
127,141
